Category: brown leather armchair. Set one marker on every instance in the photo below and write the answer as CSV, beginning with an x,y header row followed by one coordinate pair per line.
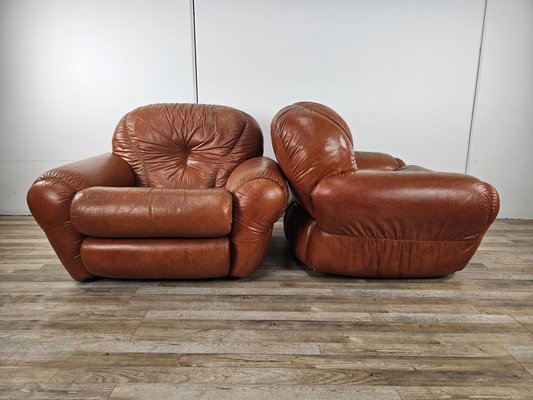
x,y
185,194
367,214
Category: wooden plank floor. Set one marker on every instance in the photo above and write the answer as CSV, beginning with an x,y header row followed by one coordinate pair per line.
x,y
284,333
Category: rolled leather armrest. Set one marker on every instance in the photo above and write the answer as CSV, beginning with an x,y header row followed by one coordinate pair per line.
x,y
50,197
379,161
152,212
259,198
409,204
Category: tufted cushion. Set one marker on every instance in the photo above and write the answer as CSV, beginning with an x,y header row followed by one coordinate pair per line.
x,y
186,145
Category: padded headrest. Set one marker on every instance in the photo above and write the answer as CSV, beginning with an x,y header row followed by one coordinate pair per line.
x,y
186,145
311,141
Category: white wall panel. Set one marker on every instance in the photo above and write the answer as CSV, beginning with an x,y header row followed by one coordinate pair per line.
x,y
402,73
15,179
70,69
502,139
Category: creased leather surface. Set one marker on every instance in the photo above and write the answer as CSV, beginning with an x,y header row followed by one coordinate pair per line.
x,y
186,145
259,198
152,212
373,257
379,161
156,258
175,161
310,141
374,216
50,197
404,205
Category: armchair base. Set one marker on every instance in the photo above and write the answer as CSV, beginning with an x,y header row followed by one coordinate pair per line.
x,y
372,257
156,258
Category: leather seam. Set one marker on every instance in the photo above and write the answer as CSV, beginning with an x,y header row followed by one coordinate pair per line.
x,y
296,183
282,142
268,179
240,135
399,240
62,180
222,165
277,126
329,119
494,201
276,181
136,150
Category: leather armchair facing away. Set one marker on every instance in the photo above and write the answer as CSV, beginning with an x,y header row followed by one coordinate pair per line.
x,y
185,194
368,214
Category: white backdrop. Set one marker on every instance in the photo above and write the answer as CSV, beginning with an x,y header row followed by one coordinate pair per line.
x,y
402,73
502,139
71,68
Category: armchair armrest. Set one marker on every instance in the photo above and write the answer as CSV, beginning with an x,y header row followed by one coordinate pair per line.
x,y
259,196
151,212
50,197
379,161
409,204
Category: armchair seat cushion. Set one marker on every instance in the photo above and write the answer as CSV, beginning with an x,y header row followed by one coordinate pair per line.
x,y
141,212
373,257
157,258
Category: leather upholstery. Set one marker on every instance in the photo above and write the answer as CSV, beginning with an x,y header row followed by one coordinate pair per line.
x,y
259,193
391,205
152,212
305,157
185,194
49,199
186,145
157,258
379,161
371,215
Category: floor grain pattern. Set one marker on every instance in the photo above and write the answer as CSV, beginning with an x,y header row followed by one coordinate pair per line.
x,y
284,333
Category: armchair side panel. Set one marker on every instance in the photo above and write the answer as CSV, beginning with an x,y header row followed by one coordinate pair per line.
x,y
50,197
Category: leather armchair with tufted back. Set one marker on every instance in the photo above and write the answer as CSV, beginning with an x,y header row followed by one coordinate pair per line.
x,y
367,214
184,194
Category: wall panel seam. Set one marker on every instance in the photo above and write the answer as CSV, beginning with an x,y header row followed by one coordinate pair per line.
x,y
194,52
476,86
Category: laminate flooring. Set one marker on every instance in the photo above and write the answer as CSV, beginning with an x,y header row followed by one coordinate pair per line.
x,y
284,333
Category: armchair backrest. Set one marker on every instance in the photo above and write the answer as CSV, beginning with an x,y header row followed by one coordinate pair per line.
x,y
311,141
186,145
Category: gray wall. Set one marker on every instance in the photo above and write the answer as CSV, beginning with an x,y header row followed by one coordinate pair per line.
x,y
402,73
